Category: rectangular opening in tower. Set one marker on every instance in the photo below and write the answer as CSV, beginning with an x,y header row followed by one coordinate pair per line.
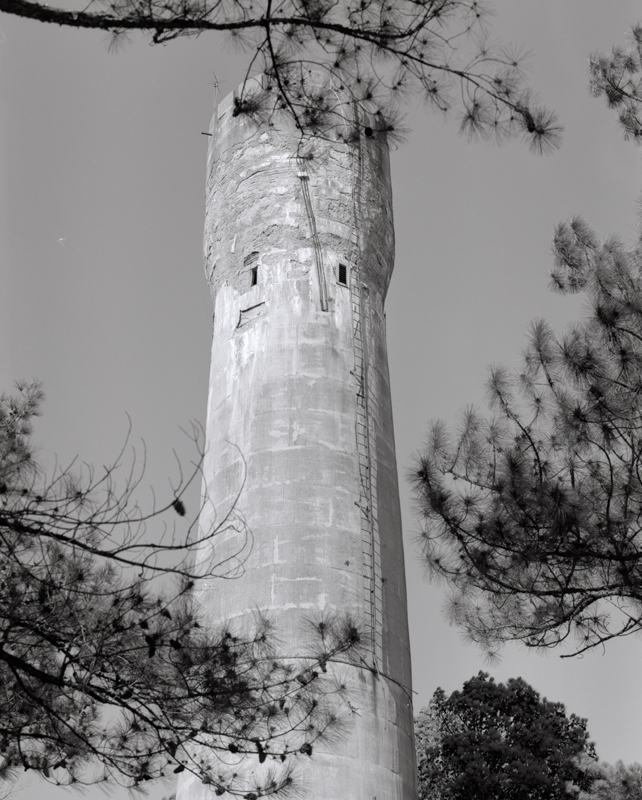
x,y
251,263
343,274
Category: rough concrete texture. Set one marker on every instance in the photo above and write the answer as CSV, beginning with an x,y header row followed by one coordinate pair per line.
x,y
300,428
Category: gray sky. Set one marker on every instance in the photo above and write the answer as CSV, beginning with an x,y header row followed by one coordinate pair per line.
x,y
103,297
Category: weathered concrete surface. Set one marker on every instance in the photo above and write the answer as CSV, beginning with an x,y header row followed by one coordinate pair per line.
x,y
300,422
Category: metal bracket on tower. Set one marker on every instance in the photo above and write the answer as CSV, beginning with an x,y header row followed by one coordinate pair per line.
x,y
318,252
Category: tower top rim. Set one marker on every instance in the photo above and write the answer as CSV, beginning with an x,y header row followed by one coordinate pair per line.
x,y
227,103
316,87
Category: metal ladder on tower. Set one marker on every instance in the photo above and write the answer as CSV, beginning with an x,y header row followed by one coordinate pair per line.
x,y
370,544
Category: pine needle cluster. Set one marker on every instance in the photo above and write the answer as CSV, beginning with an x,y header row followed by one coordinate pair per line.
x,y
617,76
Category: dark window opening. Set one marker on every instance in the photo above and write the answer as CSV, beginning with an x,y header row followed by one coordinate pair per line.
x,y
343,274
251,259
254,279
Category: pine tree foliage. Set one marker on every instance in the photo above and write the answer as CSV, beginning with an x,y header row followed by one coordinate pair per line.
x,y
495,741
618,77
378,51
534,515
106,672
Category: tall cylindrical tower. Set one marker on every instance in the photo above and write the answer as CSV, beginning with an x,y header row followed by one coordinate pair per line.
x,y
299,250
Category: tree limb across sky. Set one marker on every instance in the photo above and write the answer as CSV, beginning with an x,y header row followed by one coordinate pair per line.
x,y
379,52
107,670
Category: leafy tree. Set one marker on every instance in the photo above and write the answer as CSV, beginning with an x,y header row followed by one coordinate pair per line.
x,y
534,515
615,782
493,741
105,671
432,779
378,51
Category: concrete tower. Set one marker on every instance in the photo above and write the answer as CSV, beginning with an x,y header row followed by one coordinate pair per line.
x,y
298,254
